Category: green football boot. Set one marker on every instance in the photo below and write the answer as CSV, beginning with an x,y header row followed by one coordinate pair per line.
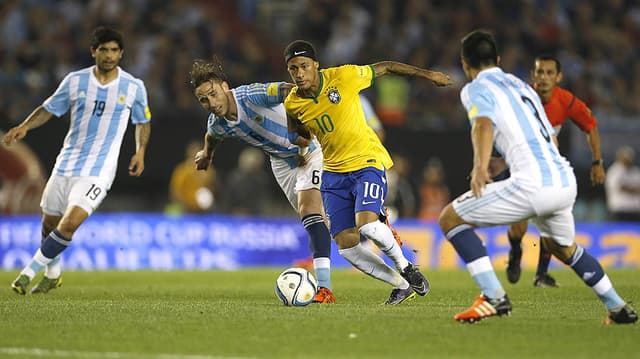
x,y
46,284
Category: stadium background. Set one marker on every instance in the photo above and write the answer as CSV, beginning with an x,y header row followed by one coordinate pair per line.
x,y
597,42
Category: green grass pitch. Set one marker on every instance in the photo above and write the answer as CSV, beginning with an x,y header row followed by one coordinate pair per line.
x,y
216,314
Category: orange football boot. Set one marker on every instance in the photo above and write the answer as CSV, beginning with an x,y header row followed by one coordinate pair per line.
x,y
324,295
484,307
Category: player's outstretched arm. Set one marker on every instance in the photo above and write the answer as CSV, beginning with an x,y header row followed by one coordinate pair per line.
x,y
143,133
204,157
37,118
398,68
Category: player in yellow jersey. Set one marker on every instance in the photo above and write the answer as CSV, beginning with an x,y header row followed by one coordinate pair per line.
x,y
326,103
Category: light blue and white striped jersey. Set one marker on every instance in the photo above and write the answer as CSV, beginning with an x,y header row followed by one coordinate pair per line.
x,y
370,114
261,123
522,132
99,115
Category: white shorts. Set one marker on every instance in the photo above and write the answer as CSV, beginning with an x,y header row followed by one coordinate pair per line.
x,y
63,192
293,180
510,201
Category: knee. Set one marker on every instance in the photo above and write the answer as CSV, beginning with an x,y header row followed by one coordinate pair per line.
x,y
348,238
67,228
449,219
49,224
518,230
563,253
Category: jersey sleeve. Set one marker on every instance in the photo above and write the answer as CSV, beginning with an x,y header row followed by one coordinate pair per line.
x,y
211,128
60,102
478,102
357,77
581,115
265,94
140,112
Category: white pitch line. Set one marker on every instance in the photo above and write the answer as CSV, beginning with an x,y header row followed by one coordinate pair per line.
x,y
102,355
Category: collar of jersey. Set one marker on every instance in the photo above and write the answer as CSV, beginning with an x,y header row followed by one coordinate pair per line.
x,y
110,83
489,71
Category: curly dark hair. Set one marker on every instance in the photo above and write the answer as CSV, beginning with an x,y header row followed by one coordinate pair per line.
x,y
206,70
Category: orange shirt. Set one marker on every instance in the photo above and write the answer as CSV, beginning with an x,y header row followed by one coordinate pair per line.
x,y
563,104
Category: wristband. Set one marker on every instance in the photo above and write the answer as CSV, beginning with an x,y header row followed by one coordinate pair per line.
x,y
302,151
597,163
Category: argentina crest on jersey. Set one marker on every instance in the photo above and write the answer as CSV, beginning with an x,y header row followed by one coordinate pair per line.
x,y
333,95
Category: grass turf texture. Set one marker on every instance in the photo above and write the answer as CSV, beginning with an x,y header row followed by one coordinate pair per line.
x,y
236,314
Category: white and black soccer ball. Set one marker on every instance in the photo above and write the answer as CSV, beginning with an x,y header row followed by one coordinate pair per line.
x,y
296,287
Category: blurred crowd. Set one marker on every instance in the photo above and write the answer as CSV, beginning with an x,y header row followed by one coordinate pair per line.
x,y
597,42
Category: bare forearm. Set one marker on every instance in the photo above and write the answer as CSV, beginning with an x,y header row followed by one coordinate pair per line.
x,y
37,118
594,142
143,133
210,144
482,139
398,68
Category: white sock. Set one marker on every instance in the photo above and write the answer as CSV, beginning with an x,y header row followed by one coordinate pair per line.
x,y
37,263
372,265
382,236
54,268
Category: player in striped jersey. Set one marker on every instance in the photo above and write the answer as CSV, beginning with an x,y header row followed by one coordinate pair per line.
x,y
559,104
326,103
507,113
254,114
101,98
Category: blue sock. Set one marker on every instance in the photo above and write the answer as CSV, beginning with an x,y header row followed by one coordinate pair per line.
x,y
319,237
470,248
466,242
592,274
320,246
54,244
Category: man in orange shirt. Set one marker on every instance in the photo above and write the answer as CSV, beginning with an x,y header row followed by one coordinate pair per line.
x,y
559,104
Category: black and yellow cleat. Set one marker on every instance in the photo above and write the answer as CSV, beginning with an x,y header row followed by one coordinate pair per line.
x,y
20,284
46,284
400,295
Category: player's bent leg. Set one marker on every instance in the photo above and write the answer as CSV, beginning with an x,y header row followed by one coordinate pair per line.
x,y
542,278
312,216
52,270
56,242
370,264
382,236
592,274
515,234
493,300
396,236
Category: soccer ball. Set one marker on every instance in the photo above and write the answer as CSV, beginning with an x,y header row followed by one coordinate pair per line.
x,y
296,287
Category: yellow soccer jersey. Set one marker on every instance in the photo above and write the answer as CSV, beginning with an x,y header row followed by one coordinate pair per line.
x,y
335,116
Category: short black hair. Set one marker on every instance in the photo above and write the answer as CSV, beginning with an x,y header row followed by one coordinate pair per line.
x,y
299,48
549,58
479,49
103,34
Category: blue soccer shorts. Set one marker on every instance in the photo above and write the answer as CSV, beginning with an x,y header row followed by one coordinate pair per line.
x,y
345,194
